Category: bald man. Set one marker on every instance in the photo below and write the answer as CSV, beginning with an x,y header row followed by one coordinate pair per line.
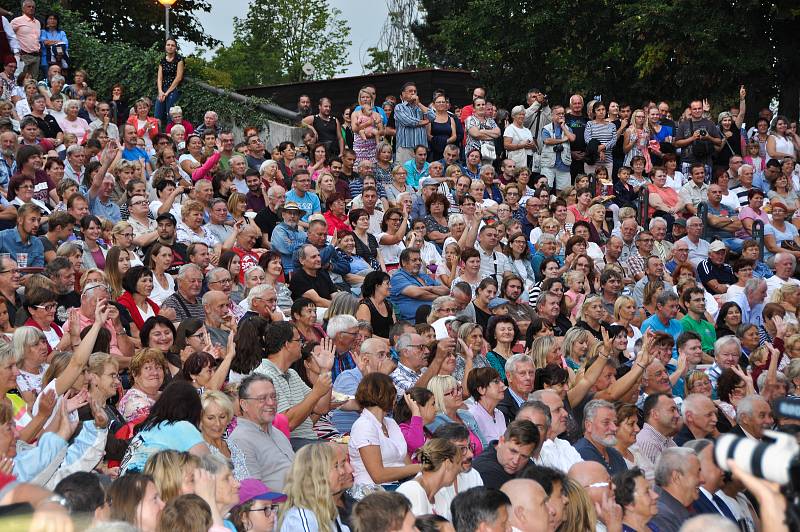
x,y
595,479
529,510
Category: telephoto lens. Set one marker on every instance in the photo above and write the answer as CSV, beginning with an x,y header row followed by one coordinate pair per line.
x,y
771,460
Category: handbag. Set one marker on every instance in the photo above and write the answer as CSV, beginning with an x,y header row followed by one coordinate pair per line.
x,y
790,245
487,150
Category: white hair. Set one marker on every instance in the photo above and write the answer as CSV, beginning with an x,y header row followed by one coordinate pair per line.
x,y
655,221
747,406
258,291
175,109
672,459
454,219
742,168
340,323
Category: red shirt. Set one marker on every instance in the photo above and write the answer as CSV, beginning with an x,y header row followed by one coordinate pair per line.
x,y
335,223
247,260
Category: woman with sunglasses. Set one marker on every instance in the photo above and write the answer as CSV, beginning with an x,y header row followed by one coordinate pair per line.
x,y
41,304
448,395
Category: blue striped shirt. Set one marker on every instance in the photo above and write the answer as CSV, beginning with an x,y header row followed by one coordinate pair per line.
x,y
409,132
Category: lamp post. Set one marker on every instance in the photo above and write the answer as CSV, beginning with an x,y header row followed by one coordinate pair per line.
x,y
167,4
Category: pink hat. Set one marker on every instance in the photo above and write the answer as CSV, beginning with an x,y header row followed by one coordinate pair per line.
x,y
252,489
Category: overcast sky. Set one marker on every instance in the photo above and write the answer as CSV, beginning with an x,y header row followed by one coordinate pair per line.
x,y
364,32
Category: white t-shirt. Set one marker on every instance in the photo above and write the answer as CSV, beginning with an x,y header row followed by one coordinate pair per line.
x,y
420,505
175,210
368,431
445,496
159,293
390,253
147,313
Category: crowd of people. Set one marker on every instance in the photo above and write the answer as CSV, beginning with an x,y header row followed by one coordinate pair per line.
x,y
423,318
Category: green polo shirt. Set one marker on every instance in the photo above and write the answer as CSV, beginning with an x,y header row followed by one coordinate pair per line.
x,y
708,335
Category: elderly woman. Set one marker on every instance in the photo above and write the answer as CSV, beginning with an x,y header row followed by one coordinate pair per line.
x,y
518,140
751,212
192,229
664,200
217,415
147,370
627,429
31,350
449,397
146,126
779,235
41,304
71,122
638,499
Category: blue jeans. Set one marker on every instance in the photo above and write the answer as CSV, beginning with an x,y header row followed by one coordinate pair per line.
x,y
162,108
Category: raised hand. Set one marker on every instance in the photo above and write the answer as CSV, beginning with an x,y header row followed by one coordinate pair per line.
x,y
465,350
47,402
326,355
324,384
413,406
742,93
75,401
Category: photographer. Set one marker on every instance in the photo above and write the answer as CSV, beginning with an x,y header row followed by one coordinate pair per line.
x,y
699,138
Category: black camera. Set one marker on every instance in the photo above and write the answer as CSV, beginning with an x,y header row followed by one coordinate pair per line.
x,y
703,132
558,149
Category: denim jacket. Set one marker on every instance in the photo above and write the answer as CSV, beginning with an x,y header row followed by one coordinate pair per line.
x,y
286,240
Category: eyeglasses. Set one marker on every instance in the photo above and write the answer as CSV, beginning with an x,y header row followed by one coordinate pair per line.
x,y
261,398
135,203
455,391
272,508
49,307
25,187
12,272
223,281
128,235
598,485
298,340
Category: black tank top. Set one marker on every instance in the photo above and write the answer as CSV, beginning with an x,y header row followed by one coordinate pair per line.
x,y
326,131
380,324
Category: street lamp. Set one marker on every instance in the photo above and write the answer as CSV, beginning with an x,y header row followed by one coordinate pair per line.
x,y
167,4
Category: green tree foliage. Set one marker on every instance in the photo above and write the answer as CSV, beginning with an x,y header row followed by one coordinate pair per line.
x,y
135,68
278,37
629,49
137,22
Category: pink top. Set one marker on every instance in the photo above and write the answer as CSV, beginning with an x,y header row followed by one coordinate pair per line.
x,y
577,214
578,298
667,194
747,213
414,433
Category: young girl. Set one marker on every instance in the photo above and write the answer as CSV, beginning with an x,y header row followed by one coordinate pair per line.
x,y
449,270
574,296
753,157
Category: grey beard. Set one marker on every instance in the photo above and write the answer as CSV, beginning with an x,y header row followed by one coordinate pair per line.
x,y
610,441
